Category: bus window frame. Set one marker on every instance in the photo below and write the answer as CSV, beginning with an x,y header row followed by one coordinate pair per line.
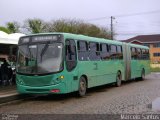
x,y
97,51
75,50
115,57
79,50
107,51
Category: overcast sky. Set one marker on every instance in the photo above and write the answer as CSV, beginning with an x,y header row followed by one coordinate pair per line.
x,y
132,17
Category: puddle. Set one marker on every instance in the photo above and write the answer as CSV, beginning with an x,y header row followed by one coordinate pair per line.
x,y
156,105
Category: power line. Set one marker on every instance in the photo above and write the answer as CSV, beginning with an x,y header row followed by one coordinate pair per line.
x,y
127,33
124,15
142,13
135,25
100,18
138,33
136,22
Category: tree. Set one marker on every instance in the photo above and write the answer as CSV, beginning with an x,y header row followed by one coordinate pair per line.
x,y
63,25
35,25
4,29
68,26
78,27
13,27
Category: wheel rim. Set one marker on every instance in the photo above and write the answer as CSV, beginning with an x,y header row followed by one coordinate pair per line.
x,y
118,79
143,74
82,88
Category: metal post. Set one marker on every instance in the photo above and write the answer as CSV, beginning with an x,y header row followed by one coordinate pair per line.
x,y
112,26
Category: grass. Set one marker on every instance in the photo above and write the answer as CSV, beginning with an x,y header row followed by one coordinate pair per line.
x,y
156,69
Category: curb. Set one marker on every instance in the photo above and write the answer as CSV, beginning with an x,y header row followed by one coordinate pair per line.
x,y
12,97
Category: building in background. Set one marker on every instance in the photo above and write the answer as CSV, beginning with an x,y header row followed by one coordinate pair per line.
x,y
8,51
8,45
152,41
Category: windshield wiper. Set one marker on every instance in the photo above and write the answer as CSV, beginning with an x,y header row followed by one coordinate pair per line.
x,y
44,50
33,68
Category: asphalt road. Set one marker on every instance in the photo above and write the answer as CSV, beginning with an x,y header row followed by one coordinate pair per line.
x,y
132,97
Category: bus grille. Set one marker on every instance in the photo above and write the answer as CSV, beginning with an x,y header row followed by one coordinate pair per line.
x,y
37,82
37,90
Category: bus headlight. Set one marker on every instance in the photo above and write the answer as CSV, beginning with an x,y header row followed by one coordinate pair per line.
x,y
20,81
58,80
61,77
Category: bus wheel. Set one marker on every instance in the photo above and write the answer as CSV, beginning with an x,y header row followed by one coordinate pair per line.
x,y
82,87
118,79
143,74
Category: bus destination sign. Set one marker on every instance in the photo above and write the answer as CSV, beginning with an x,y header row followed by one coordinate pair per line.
x,y
24,40
45,38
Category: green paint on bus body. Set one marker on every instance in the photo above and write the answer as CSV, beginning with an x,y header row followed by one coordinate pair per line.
x,y
96,72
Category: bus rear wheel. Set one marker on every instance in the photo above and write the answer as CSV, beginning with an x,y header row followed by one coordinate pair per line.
x,y
82,87
118,79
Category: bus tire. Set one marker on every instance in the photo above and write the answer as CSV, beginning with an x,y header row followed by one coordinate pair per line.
x,y
118,79
143,74
82,87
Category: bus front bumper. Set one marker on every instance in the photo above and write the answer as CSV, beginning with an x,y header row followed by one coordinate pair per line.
x,y
52,89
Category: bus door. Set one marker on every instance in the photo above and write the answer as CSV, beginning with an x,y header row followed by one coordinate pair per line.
x,y
71,63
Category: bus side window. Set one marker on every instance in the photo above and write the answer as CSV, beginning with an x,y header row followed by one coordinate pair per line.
x,y
104,51
71,57
113,51
145,54
133,53
83,51
94,51
139,53
120,53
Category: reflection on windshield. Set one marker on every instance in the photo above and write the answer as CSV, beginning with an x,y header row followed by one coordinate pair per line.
x,y
40,58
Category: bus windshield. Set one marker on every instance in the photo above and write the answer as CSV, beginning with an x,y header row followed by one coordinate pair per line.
x,y
40,58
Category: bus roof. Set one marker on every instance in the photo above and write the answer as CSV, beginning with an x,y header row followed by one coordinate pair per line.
x,y
137,46
88,38
78,37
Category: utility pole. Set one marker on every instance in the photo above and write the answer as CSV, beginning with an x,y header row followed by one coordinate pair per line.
x,y
112,27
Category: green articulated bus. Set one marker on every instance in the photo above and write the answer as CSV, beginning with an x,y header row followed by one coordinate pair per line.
x,y
58,63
